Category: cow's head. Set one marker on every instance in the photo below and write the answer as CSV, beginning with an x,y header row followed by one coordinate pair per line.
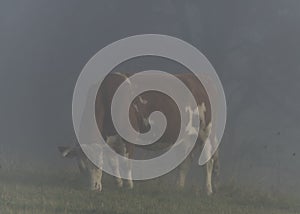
x,y
86,167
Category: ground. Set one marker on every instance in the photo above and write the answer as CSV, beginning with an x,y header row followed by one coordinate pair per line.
x,y
63,192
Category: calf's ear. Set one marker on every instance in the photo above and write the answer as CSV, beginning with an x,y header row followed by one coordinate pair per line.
x,y
67,152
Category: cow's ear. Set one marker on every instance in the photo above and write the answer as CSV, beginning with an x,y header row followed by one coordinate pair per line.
x,y
67,152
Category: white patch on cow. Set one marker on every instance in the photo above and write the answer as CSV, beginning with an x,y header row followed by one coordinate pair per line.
x,y
125,77
205,132
148,122
202,107
113,140
201,113
190,129
66,152
136,107
143,101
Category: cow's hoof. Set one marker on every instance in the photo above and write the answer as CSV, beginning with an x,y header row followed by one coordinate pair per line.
x,y
180,186
97,188
209,193
119,183
130,184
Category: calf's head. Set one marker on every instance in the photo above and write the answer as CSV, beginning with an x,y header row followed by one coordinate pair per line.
x,y
91,172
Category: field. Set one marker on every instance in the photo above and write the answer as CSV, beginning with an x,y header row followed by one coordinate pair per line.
x,y
63,192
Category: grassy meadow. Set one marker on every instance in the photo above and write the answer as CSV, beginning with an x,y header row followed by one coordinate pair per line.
x,y
63,192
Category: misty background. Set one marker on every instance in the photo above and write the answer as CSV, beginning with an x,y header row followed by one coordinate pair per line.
x,y
253,45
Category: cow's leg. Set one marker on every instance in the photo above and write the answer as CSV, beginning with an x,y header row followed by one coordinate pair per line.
x,y
216,172
95,179
129,171
208,167
115,165
129,150
81,165
183,171
113,141
95,172
208,170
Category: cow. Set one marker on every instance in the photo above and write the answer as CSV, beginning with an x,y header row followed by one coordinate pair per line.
x,y
106,128
151,101
142,106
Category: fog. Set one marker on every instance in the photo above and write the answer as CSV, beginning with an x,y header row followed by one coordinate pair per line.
x,y
254,47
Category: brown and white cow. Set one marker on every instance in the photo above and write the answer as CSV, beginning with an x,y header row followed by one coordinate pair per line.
x,y
106,128
151,101
141,108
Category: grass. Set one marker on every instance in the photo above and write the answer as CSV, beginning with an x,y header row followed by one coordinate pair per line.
x,y
63,192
